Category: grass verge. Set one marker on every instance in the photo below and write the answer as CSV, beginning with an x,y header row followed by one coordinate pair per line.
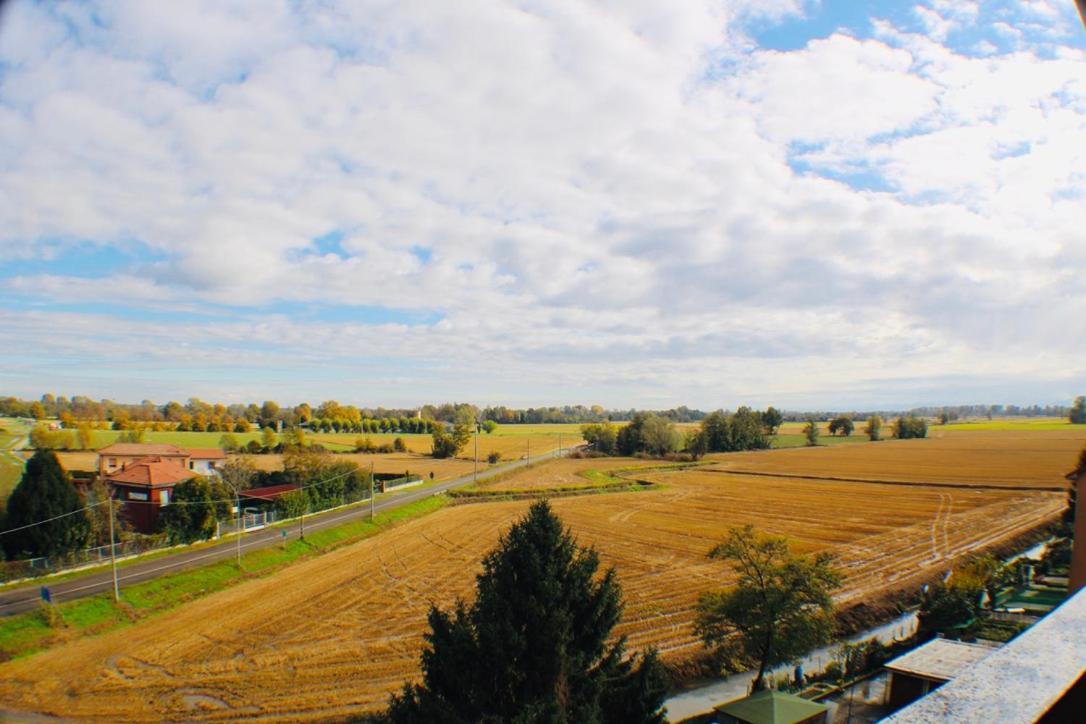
x,y
28,633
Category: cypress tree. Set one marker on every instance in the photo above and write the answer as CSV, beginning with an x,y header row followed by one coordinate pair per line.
x,y
533,647
43,494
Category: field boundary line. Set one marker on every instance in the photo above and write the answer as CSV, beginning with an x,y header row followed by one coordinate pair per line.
x,y
911,483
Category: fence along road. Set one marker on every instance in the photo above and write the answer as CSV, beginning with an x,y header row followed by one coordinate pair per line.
x,y
25,597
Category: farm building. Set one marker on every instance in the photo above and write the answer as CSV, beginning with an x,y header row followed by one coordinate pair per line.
x,y
264,498
928,667
200,461
145,485
772,707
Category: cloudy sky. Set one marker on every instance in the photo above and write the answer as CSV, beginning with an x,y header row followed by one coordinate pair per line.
x,y
809,204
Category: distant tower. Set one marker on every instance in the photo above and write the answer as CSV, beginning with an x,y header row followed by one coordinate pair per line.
x,y
1078,552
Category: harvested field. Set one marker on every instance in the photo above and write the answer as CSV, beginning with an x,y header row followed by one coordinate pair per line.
x,y
982,458
336,634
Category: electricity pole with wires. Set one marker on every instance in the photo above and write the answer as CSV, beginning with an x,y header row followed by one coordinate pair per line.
x,y
113,551
475,473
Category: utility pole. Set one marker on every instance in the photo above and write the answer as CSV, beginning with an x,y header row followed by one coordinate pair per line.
x,y
475,472
113,551
372,491
237,501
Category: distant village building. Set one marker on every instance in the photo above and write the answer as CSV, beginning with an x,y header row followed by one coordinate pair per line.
x,y
142,476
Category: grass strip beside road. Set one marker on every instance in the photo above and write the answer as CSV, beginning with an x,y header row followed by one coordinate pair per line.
x,y
28,633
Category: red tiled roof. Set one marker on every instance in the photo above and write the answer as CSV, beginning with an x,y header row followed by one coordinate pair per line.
x,y
140,448
272,492
206,453
151,471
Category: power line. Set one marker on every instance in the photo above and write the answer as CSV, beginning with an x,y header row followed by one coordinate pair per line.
x,y
50,520
152,502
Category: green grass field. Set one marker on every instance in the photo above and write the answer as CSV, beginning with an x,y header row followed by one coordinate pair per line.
x,y
28,633
11,465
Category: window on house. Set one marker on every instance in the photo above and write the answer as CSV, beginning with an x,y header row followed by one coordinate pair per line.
x,y
164,498
136,495
113,462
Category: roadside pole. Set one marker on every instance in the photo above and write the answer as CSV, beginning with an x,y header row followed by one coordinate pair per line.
x,y
113,551
372,491
475,472
237,501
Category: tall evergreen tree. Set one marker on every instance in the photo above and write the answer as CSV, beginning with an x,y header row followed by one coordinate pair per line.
x,y
533,647
45,494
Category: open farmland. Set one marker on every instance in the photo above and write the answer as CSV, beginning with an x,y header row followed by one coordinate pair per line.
x,y
334,635
984,458
12,433
512,441
565,474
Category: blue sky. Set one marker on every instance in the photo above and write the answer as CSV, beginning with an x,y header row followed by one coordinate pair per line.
x,y
806,204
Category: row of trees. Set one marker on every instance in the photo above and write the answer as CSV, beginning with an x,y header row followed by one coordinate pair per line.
x,y
198,415
903,428
656,436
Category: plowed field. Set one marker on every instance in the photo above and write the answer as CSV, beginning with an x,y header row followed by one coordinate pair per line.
x,y
997,458
334,635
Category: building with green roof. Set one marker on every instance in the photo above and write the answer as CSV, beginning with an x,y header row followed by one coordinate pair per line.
x,y
772,707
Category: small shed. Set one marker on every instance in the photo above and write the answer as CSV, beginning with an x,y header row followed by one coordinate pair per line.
x,y
263,499
914,674
772,707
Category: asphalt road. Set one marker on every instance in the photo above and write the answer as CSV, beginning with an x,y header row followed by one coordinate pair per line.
x,y
26,597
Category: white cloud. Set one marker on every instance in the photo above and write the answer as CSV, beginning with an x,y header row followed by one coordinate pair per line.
x,y
590,197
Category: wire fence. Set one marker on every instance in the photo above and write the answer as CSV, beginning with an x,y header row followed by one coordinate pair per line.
x,y
44,566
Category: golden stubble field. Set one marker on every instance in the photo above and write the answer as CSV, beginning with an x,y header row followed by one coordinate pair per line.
x,y
334,635
991,457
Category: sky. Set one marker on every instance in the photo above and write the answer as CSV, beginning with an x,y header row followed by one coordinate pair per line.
x,y
814,205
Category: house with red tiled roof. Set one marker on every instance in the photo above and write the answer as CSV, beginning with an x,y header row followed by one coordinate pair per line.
x,y
201,461
146,485
143,475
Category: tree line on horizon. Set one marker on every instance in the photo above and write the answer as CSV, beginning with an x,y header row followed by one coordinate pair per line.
x,y
330,416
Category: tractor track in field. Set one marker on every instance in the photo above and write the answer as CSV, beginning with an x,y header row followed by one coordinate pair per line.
x,y
910,483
